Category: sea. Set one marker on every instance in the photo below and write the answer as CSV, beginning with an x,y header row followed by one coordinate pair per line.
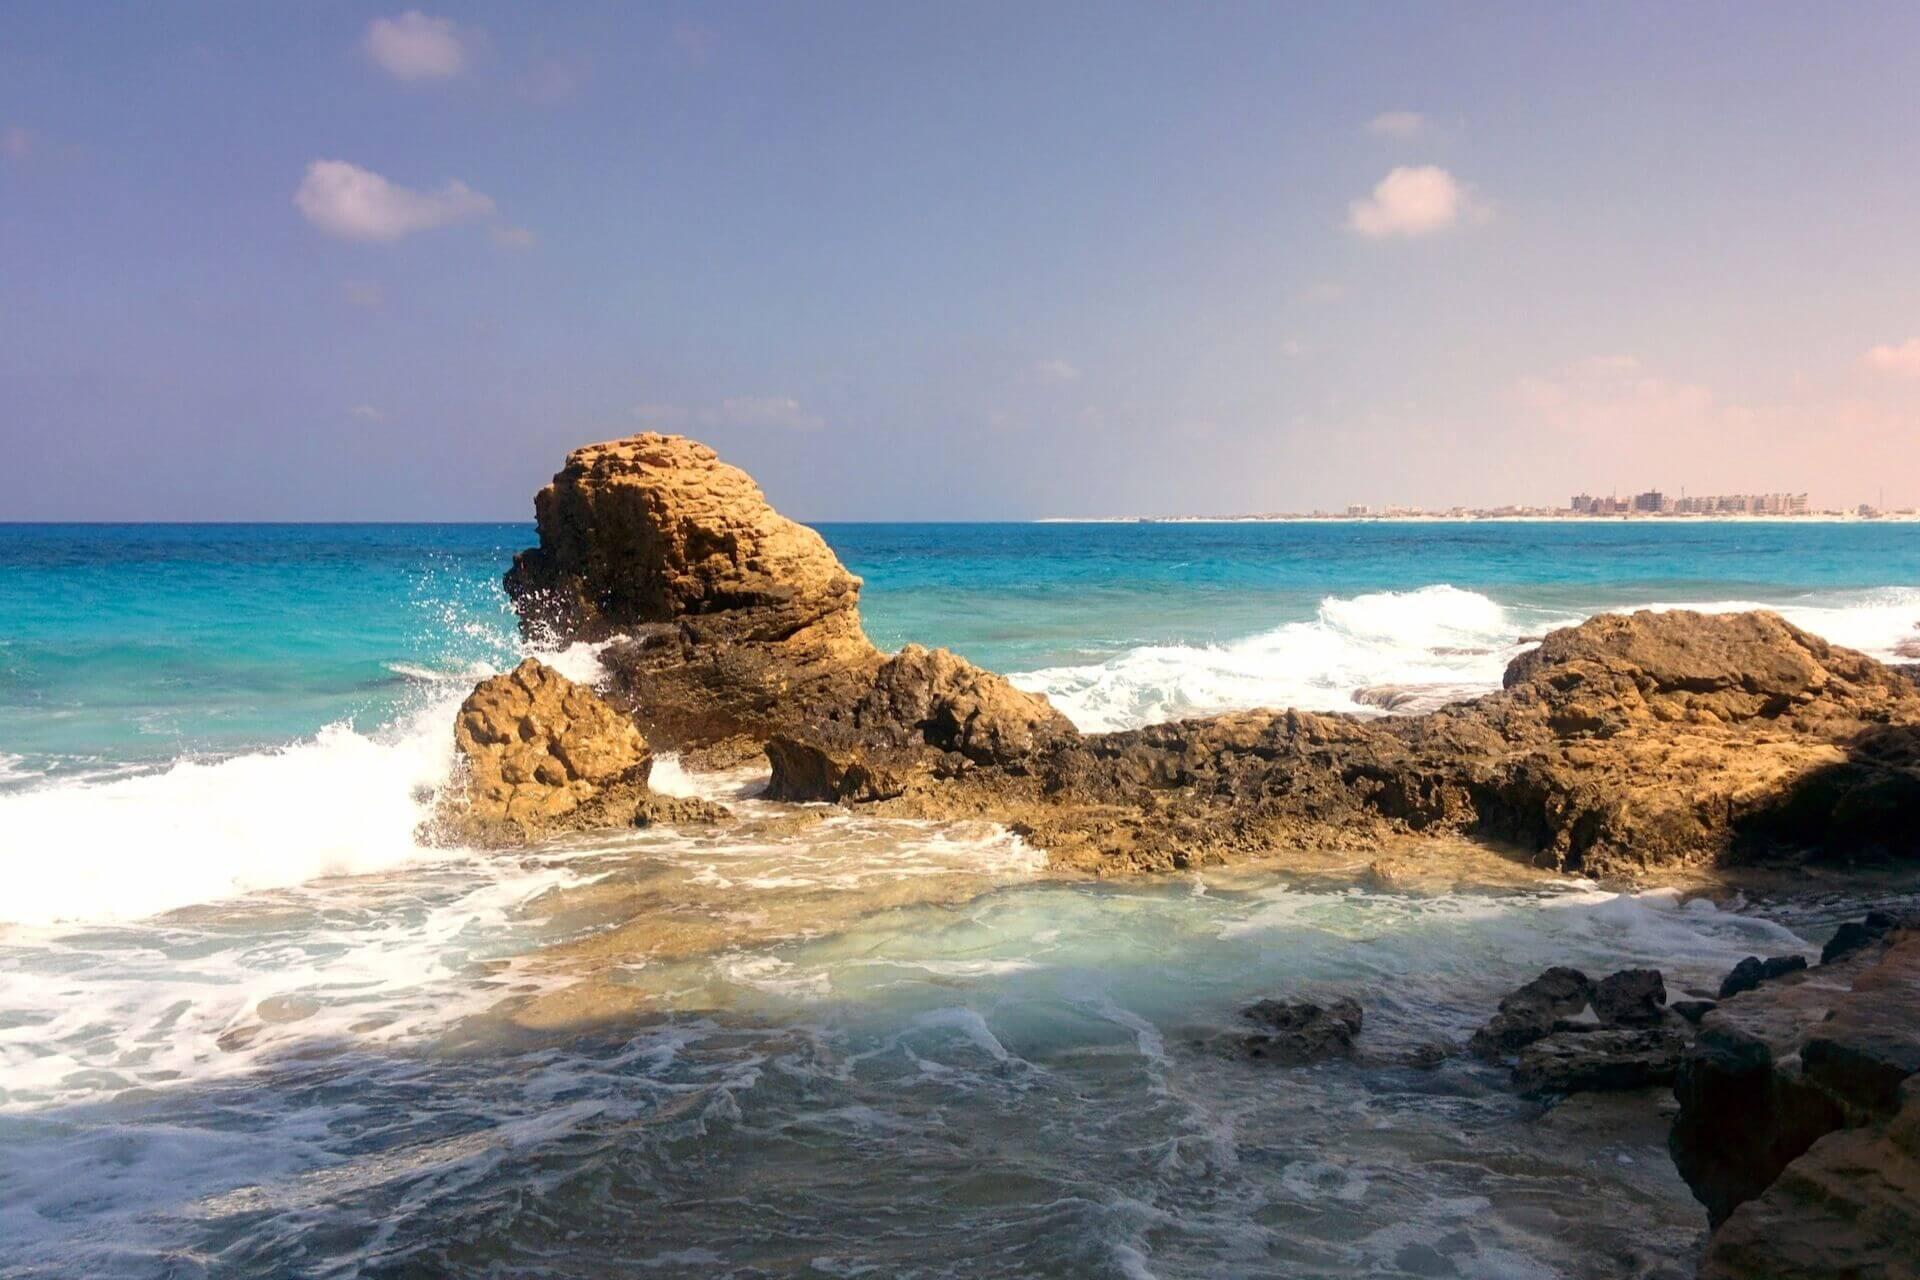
x,y
251,1026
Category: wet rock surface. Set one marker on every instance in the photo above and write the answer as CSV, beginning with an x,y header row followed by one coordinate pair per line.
x,y
1599,1061
1531,1012
1296,1032
540,754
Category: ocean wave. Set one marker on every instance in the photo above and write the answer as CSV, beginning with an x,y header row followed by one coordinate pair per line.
x,y
344,802
1436,636
1439,639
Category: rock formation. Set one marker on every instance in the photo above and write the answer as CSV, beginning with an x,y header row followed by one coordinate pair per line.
x,y
731,625
540,754
1619,746
1799,1124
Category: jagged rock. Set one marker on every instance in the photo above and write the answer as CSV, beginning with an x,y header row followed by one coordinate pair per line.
x,y
1529,1014
1775,1068
655,528
1854,934
1631,997
731,623
1623,744
1848,1207
1753,971
539,753
1300,1031
655,810
1599,1061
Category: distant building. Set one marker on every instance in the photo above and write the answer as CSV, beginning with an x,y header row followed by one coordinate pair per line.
x,y
1652,502
1582,504
1359,509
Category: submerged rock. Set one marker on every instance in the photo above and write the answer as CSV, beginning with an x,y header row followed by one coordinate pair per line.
x,y
1599,1061
1300,1031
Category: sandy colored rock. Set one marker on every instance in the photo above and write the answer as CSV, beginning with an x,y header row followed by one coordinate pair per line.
x,y
654,528
1624,746
539,753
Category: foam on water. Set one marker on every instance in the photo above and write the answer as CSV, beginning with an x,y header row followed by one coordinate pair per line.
x,y
344,802
1438,635
1438,638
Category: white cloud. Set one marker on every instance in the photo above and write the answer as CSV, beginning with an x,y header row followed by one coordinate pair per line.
x,y
16,142
367,413
345,200
1413,201
1293,347
414,46
1405,125
1056,371
1902,360
734,411
364,293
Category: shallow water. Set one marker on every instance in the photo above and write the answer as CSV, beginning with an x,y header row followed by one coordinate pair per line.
x,y
1026,1082
249,1026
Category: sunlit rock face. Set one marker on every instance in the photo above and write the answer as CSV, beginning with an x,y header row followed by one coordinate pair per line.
x,y
730,624
540,754
1624,745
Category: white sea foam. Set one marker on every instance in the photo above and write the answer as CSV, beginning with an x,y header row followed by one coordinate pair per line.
x,y
344,802
1438,635
1439,638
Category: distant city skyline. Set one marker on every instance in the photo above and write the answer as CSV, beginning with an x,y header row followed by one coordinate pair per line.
x,y
973,261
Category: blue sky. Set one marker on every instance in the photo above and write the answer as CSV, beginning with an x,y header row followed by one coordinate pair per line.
x,y
962,261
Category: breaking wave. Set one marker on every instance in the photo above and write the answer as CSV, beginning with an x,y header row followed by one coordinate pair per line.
x,y
1435,643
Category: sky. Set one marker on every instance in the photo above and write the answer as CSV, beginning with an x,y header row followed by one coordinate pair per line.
x,y
958,261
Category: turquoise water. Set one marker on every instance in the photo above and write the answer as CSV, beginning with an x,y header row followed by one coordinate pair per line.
x,y
139,644
251,1026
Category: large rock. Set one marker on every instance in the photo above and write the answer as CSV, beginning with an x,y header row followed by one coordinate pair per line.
x,y
655,528
539,753
1776,1068
1625,745
730,624
1849,1207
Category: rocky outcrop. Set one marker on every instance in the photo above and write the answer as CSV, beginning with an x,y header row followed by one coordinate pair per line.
x,y
1625,745
1849,1207
1777,1068
727,623
654,529
928,714
540,754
